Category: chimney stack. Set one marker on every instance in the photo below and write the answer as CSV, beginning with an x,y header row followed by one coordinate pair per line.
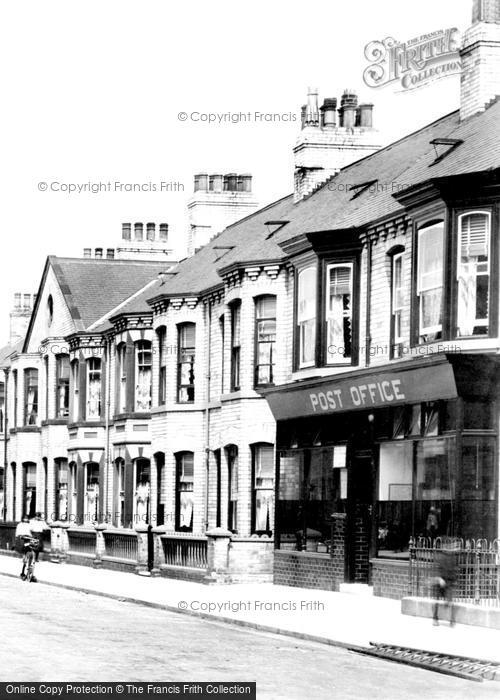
x,y
480,54
20,316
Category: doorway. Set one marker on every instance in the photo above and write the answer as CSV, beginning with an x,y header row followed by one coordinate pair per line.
x,y
360,516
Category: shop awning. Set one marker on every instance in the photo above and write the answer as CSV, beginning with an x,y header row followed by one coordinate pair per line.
x,y
363,390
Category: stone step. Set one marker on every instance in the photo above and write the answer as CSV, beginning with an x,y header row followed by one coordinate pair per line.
x,y
356,588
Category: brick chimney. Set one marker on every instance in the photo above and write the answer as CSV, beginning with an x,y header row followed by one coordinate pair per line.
x,y
327,144
20,315
480,54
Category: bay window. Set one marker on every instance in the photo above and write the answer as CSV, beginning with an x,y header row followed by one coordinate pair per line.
x,y
265,340
62,500
339,300
306,317
430,266
161,334
397,292
185,362
121,377
62,386
75,382
473,273
94,388
232,470
235,344
143,364
30,396
184,489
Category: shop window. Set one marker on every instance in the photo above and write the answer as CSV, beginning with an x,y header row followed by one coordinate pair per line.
x,y
30,396
232,470
339,310
435,484
91,503
94,389
184,492
397,297
143,365
430,257
161,335
62,386
121,376
265,340
395,498
235,344
478,504
306,317
75,383
185,363
263,489
473,273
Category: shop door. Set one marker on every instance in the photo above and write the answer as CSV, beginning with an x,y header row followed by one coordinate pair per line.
x,y
359,517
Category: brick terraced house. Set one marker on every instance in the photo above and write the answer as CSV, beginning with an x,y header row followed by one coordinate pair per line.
x,y
313,387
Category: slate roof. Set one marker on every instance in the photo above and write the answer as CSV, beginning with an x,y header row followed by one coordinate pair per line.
x,y
332,206
93,287
7,351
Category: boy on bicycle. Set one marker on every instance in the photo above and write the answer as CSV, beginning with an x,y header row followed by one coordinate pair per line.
x,y
24,539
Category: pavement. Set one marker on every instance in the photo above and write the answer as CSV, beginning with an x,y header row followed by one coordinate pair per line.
x,y
341,619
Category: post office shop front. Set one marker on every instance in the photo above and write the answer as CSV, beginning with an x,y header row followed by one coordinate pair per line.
x,y
370,459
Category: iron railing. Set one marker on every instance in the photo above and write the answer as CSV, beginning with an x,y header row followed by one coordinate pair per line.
x,y
182,550
475,565
121,545
82,541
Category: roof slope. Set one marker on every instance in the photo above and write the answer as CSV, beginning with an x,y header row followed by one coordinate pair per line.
x,y
92,287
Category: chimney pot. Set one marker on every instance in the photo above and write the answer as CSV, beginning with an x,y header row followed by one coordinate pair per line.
x,y
163,232
312,111
138,231
98,253
201,182
126,232
329,112
87,252
365,112
150,231
17,300
110,253
215,183
27,301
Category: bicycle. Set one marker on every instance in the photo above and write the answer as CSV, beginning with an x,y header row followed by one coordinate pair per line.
x,y
30,558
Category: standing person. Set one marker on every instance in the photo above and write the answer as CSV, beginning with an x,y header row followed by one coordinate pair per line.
x,y
38,527
444,582
432,524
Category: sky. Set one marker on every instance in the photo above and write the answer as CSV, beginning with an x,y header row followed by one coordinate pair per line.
x,y
92,92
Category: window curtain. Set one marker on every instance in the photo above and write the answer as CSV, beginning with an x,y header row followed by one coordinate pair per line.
x,y
94,402
143,389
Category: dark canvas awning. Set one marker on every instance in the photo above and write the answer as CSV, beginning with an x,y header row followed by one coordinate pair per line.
x,y
363,390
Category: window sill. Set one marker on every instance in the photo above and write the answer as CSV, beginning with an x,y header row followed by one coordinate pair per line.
x,y
87,424
55,421
26,429
131,416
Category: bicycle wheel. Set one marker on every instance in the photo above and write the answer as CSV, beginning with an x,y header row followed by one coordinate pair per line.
x,y
30,566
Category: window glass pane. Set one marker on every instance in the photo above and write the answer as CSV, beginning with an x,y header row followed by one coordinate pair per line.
x,y
430,280
31,393
435,506
306,315
395,498
473,274
143,379
266,307
94,389
339,312
478,515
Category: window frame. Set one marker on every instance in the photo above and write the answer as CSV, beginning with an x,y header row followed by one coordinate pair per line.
x,y
255,489
396,341
235,319
161,335
182,351
300,364
87,396
142,348
258,343
233,478
329,265
35,404
62,382
418,328
179,475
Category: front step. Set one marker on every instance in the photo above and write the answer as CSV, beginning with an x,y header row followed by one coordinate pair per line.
x,y
356,589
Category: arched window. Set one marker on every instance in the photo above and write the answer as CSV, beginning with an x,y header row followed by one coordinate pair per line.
x,y
62,489
91,513
184,491
50,310
142,493
29,489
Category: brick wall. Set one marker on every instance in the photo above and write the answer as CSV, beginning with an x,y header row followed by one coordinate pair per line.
x,y
304,570
390,579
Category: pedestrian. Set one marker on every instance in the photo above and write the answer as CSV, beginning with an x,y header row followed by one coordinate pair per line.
x,y
444,582
38,527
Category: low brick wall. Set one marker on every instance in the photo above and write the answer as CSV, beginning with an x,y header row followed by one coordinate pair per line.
x,y
250,560
305,570
390,578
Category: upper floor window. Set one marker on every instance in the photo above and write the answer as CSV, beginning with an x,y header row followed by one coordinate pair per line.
x,y
30,396
397,296
143,363
306,316
430,266
339,307
94,388
235,344
121,372
62,386
50,310
185,363
161,334
473,273
265,340
14,379
75,382
223,350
